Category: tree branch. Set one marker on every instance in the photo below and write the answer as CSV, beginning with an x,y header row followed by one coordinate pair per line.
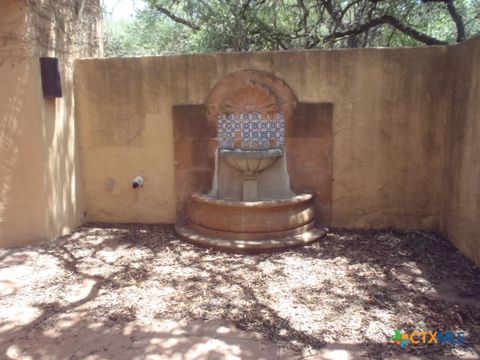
x,y
392,21
305,13
452,10
455,15
176,18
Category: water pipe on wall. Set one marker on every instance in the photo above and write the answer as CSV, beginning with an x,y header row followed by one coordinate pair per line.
x,y
137,182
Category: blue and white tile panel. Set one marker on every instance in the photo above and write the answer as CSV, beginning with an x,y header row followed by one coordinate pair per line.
x,y
256,132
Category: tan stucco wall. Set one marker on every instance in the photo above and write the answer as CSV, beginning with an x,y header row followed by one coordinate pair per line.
x,y
462,173
22,196
124,132
40,193
390,109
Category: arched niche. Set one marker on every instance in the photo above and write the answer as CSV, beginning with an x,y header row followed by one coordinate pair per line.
x,y
250,109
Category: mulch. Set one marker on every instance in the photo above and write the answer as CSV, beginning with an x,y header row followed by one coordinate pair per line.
x,y
351,287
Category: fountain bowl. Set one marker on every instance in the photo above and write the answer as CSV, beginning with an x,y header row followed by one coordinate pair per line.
x,y
251,161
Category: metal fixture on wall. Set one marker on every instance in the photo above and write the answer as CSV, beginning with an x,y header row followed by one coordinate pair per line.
x,y
137,182
51,80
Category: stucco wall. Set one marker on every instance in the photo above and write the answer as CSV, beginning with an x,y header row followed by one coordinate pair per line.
x,y
462,173
40,192
22,196
390,109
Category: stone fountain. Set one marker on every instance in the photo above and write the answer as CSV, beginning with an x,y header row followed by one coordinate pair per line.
x,y
250,207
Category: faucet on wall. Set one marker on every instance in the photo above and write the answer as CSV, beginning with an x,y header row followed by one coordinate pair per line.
x,y
137,182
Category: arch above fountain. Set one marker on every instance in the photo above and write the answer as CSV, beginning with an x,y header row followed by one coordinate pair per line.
x,y
250,91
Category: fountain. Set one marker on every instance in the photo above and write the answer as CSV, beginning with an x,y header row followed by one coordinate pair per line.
x,y
250,207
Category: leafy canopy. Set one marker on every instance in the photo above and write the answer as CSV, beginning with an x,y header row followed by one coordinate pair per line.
x,y
178,26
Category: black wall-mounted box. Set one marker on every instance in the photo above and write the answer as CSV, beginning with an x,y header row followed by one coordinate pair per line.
x,y
51,80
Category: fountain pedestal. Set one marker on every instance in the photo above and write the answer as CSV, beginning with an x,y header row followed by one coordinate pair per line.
x,y
250,187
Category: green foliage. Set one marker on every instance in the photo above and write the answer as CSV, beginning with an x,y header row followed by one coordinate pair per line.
x,y
433,19
148,33
178,26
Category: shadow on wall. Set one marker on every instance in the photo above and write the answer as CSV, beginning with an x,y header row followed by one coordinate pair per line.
x,y
38,191
61,174
461,211
22,197
9,146
39,188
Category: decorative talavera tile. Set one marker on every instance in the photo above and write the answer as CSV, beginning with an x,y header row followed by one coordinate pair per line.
x,y
251,130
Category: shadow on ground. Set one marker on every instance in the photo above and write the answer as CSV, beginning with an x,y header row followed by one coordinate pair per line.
x,y
138,291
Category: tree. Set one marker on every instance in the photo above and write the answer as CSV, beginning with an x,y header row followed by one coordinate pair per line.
x,y
247,25
150,33
63,27
67,27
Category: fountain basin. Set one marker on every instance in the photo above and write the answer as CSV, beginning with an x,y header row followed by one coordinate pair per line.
x,y
249,226
251,161
251,216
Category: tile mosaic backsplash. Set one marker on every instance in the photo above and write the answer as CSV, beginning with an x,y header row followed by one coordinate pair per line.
x,y
251,131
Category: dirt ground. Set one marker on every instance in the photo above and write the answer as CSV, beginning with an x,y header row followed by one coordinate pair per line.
x,y
351,288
